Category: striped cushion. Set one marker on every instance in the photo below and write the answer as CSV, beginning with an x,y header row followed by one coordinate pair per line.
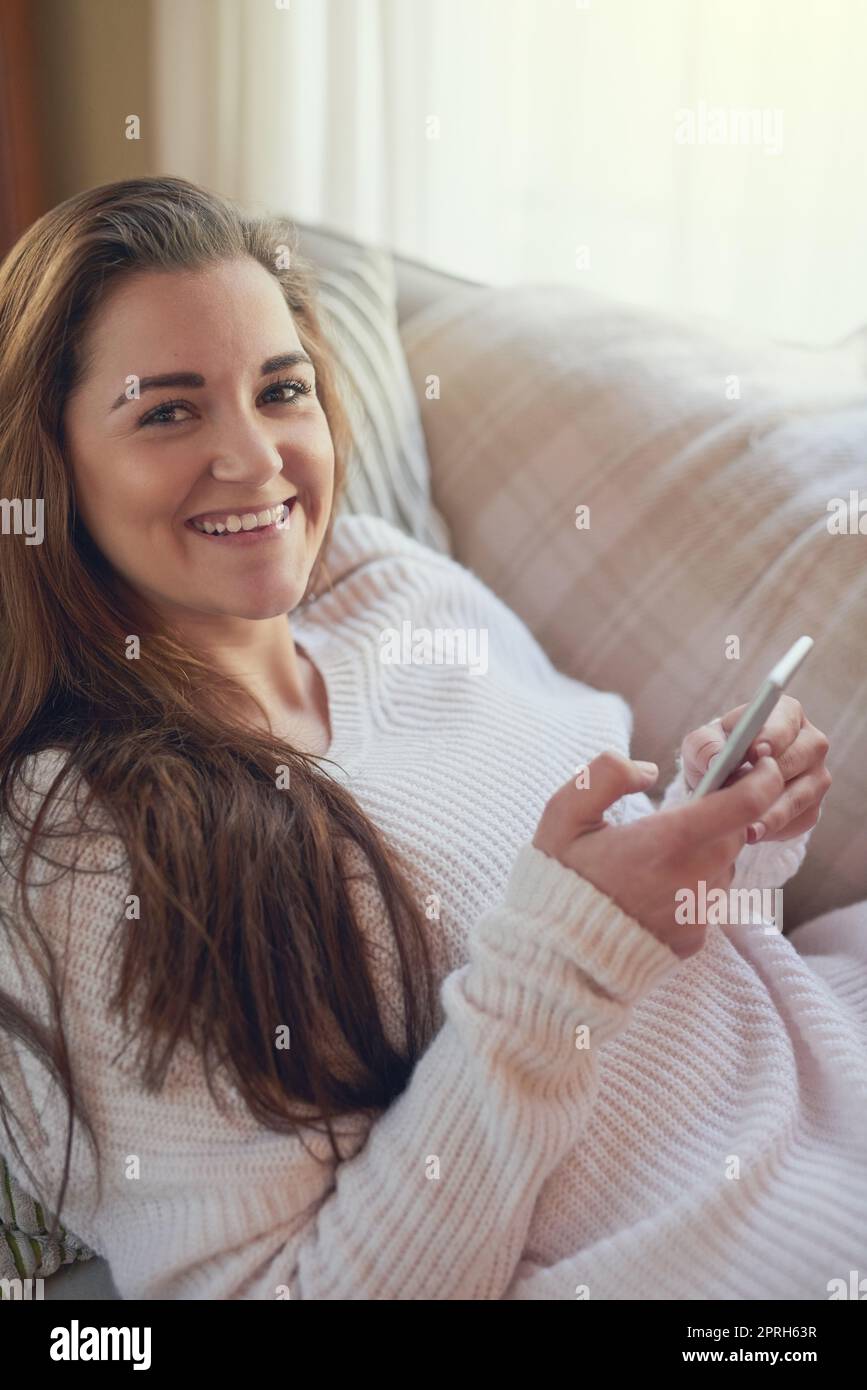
x,y
707,459
388,473
25,1247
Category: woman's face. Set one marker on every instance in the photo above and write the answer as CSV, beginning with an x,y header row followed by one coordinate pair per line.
x,y
224,448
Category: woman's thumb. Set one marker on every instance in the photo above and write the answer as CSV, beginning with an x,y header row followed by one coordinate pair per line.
x,y
609,777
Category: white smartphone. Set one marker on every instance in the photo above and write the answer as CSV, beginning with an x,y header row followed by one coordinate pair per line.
x,y
753,718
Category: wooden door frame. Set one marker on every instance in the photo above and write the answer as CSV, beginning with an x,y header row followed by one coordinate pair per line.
x,y
22,185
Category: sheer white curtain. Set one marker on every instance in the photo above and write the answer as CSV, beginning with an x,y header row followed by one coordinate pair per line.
x,y
699,156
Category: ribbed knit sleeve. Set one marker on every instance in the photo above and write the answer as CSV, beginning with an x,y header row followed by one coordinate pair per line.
x,y
436,1202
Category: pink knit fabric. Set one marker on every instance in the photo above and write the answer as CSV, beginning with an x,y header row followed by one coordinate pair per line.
x,y
710,1142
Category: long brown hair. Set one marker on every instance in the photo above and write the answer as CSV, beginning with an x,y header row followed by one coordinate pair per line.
x,y
234,880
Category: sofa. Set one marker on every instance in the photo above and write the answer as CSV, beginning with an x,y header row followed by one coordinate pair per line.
x,y
652,495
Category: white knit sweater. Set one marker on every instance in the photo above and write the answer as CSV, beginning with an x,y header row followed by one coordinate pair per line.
x,y
709,1143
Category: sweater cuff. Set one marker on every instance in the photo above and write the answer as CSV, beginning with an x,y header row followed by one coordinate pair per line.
x,y
608,945
677,793
770,863
767,864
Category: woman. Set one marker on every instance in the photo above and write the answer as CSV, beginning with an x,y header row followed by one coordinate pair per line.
x,y
408,1025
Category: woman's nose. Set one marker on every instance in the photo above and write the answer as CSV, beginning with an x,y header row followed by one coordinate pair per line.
x,y
250,456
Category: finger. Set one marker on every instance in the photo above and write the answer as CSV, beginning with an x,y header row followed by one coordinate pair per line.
x,y
799,797
730,718
729,808
576,809
804,822
743,771
779,731
698,748
808,751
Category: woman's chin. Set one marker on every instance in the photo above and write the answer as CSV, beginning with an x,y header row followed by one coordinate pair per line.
x,y
262,609
254,605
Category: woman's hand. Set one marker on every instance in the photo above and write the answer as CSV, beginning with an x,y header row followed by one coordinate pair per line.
x,y
644,865
800,750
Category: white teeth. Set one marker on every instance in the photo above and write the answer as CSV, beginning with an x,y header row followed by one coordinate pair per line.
x,y
248,521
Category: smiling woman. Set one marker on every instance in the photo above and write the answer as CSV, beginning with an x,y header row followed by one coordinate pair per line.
x,y
369,1026
240,443
197,524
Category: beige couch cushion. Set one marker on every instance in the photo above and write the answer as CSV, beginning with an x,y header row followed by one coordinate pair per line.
x,y
707,459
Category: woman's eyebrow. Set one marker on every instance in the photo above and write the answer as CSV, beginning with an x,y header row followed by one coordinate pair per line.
x,y
195,379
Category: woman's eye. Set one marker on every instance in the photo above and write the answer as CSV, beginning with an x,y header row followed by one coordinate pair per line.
x,y
157,416
301,388
154,417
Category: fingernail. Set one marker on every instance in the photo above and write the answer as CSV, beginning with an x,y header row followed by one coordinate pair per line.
x,y
764,750
650,768
755,832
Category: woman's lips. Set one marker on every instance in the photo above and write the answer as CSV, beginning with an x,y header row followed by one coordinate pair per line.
x,y
259,533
